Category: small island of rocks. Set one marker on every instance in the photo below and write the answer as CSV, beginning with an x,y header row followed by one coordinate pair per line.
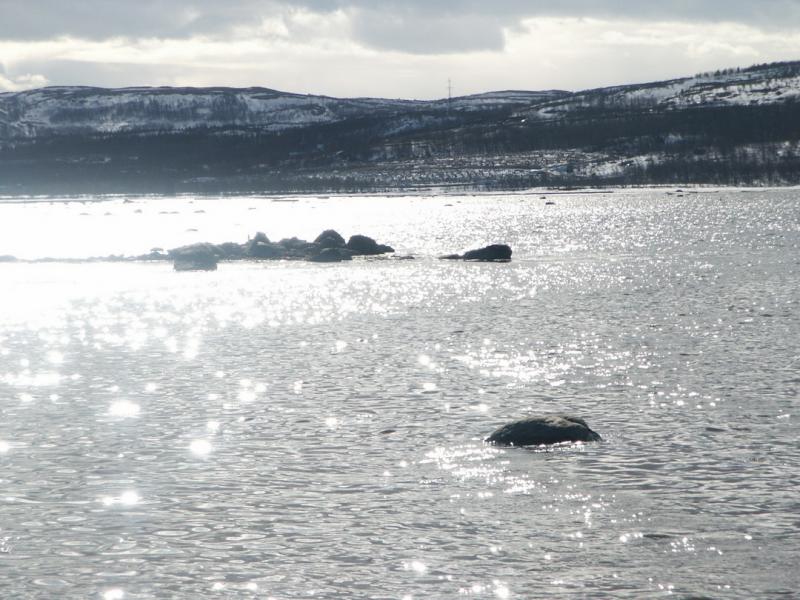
x,y
328,247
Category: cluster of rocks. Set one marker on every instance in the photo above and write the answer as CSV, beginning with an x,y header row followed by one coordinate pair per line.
x,y
329,246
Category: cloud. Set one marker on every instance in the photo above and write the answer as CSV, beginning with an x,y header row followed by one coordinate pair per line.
x,y
388,48
416,26
408,31
19,83
311,52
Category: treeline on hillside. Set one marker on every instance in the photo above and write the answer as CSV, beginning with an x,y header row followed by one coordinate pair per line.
x,y
638,132
249,157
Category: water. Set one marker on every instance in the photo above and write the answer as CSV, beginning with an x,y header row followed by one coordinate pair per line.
x,y
293,430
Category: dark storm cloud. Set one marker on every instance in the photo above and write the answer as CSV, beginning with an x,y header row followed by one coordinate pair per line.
x,y
421,26
99,19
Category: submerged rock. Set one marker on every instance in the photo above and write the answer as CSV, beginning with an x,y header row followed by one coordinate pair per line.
x,y
197,257
543,430
362,245
493,253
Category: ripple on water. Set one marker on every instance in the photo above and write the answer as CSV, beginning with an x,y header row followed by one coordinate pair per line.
x,y
281,428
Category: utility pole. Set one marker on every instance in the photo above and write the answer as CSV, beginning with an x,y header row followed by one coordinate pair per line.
x,y
449,95
449,140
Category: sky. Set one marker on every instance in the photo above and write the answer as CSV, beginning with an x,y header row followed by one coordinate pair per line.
x,y
386,48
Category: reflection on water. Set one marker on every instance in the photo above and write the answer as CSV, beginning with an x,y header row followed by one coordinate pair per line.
x,y
124,408
315,431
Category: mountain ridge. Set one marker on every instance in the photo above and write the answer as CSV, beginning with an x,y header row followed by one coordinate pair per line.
x,y
45,111
730,126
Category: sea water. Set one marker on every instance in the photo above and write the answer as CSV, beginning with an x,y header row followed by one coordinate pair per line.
x,y
296,430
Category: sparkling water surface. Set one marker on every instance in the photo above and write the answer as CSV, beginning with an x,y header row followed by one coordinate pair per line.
x,y
295,430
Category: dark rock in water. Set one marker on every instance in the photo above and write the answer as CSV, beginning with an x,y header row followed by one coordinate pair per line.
x,y
495,252
332,255
361,245
330,239
197,257
543,430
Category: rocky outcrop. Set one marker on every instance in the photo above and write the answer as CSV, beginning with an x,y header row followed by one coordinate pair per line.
x,y
362,245
330,239
543,430
493,253
197,257
329,246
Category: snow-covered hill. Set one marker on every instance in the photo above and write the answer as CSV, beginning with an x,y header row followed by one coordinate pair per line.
x,y
69,110
86,110
756,86
734,126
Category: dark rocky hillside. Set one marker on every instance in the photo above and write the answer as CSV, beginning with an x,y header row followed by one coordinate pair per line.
x,y
730,127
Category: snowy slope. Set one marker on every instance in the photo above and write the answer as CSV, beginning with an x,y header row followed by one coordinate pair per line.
x,y
756,86
62,110
87,110
69,110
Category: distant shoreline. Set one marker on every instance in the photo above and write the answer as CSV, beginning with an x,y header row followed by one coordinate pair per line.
x,y
295,196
